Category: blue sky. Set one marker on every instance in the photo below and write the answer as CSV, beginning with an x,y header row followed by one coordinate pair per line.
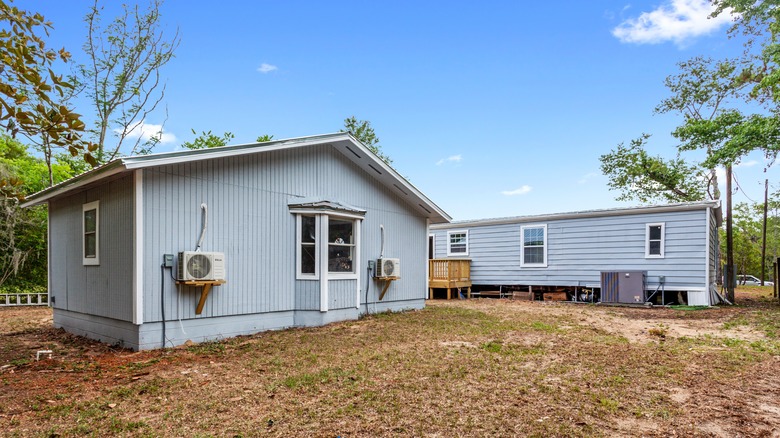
x,y
490,108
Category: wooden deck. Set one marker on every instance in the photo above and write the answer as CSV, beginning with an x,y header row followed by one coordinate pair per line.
x,y
449,274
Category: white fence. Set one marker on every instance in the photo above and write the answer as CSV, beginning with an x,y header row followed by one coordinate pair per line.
x,y
36,299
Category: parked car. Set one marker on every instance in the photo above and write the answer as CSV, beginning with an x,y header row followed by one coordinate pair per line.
x,y
750,280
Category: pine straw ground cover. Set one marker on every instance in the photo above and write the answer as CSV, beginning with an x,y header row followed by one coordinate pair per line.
x,y
459,368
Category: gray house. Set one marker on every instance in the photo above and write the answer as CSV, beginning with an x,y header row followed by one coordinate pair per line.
x,y
674,246
289,229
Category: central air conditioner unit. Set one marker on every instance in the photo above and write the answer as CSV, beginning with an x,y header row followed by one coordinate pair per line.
x,y
386,267
201,266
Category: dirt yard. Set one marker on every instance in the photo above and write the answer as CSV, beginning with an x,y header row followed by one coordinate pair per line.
x,y
476,368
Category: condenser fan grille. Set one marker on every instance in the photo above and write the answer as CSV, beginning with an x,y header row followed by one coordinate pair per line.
x,y
388,267
199,266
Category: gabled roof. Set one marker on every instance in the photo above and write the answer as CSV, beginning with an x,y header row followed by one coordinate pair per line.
x,y
645,209
343,142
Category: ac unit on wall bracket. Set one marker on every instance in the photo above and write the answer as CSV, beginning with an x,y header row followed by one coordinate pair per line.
x,y
201,266
388,268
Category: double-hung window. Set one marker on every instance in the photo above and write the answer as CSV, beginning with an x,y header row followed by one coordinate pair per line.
x,y
534,246
458,243
341,245
654,241
90,227
307,246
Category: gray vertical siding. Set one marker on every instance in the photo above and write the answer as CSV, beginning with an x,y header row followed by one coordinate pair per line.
x,y
341,294
579,249
249,220
307,295
104,290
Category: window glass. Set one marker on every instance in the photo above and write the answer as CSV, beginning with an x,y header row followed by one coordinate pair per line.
x,y
308,245
340,245
90,224
654,240
458,242
533,245
90,233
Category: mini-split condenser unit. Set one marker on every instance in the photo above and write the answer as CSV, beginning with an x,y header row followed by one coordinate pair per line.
x,y
197,266
386,267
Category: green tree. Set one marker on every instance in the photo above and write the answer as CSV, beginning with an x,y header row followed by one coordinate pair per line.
x,y
747,240
207,140
32,95
264,138
23,231
698,93
759,21
640,176
362,130
122,79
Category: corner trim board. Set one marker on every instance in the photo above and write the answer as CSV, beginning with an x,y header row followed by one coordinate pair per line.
x,y
138,246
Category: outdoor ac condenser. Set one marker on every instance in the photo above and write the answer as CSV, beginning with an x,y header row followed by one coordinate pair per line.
x,y
627,287
201,266
387,268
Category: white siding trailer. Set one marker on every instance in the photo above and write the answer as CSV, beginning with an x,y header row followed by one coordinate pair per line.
x,y
675,246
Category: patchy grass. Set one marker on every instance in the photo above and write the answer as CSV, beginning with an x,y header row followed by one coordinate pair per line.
x,y
475,368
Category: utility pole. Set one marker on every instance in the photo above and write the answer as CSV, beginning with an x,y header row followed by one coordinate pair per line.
x,y
763,242
729,241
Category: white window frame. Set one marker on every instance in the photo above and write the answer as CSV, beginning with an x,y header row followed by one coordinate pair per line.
x,y
663,240
90,261
321,246
355,249
449,243
522,247
299,244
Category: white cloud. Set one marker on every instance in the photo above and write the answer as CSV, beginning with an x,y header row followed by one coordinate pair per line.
x,y
146,131
750,163
587,177
677,20
452,159
518,191
267,68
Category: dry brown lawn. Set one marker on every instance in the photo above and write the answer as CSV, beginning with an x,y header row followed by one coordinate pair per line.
x,y
459,368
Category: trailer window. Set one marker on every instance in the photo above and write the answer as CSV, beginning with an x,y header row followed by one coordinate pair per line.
x,y
458,243
654,241
534,242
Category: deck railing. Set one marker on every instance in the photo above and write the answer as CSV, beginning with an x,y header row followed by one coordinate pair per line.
x,y
31,299
449,274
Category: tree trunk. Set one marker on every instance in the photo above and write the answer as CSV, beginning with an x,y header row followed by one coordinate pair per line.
x,y
763,232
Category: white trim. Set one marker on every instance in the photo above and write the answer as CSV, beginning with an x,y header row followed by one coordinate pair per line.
x,y
90,261
298,244
663,240
687,206
78,181
342,275
329,212
138,247
48,252
356,261
433,253
323,254
708,236
523,263
449,243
